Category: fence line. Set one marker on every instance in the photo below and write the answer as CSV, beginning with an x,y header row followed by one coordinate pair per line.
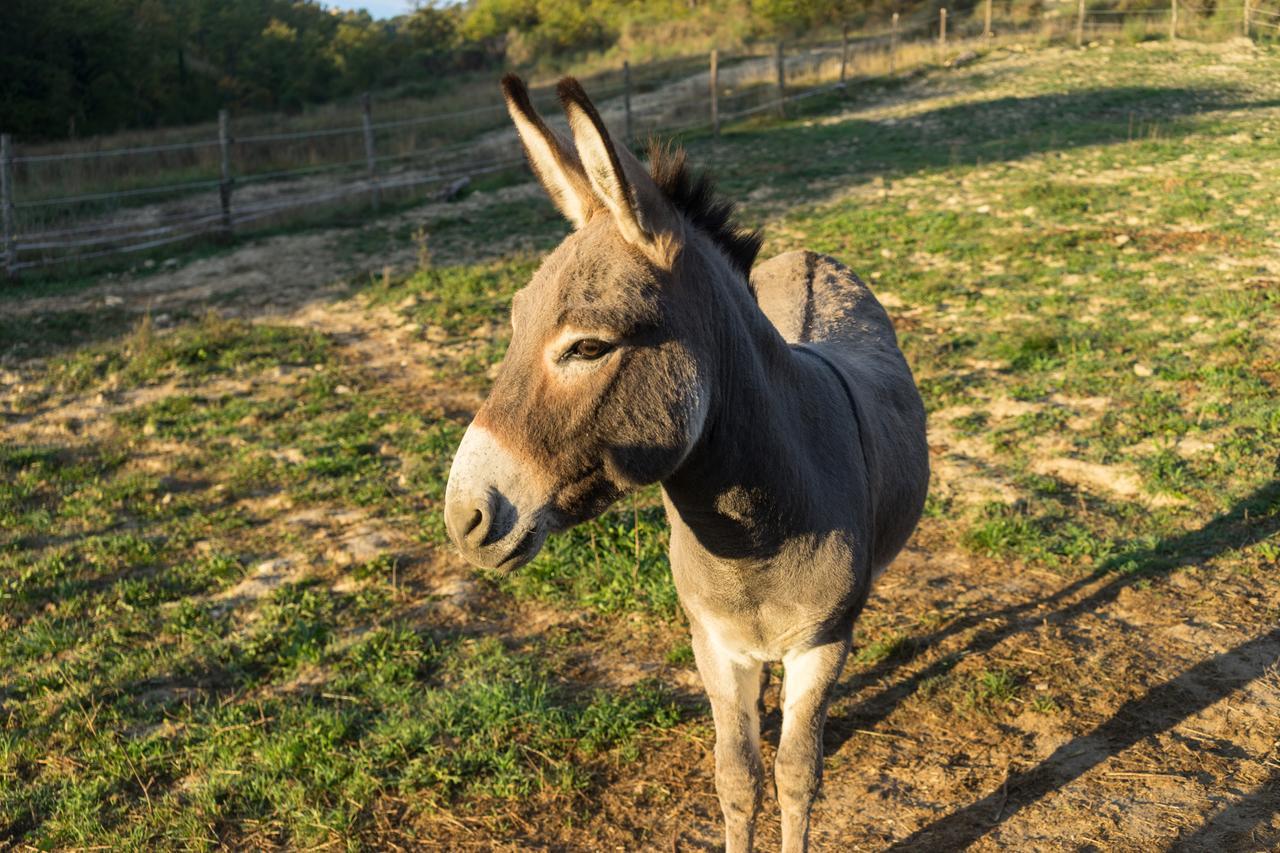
x,y
115,152
301,134
96,229
111,238
140,191
487,152
197,224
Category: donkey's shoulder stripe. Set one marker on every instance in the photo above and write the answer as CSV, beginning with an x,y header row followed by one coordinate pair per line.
x,y
848,392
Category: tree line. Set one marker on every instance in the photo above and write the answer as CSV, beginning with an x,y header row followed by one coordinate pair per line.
x,y
78,67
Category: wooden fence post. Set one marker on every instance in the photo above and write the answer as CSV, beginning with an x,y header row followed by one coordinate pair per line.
x,y
626,96
370,153
224,182
986,21
942,27
844,53
782,81
1080,23
715,92
1246,18
893,46
1173,19
6,204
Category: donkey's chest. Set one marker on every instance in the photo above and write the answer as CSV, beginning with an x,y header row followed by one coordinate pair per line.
x,y
765,633
761,609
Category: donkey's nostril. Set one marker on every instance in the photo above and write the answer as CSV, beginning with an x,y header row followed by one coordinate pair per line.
x,y
477,522
468,520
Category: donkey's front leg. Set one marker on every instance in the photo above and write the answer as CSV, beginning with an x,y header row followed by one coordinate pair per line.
x,y
807,684
733,686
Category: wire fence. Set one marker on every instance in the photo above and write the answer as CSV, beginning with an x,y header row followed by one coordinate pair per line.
x,y
226,185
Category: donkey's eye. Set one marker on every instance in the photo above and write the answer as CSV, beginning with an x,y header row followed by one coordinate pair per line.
x,y
588,349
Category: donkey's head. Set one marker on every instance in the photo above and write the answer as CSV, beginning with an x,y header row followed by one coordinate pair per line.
x,y
605,385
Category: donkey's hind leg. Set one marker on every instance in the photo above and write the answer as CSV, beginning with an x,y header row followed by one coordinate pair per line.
x,y
810,677
733,686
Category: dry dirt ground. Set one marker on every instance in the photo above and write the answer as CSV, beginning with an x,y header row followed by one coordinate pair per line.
x,y
996,705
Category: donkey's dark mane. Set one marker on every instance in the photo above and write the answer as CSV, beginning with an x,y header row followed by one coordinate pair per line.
x,y
694,194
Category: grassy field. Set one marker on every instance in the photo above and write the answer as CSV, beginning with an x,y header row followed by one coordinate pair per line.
x,y
229,616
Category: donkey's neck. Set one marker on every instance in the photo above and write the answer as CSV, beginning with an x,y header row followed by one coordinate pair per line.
x,y
751,481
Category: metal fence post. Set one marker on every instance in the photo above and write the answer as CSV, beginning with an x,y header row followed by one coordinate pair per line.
x,y
370,154
942,27
893,46
782,81
986,21
1080,23
844,53
6,204
715,92
626,96
224,182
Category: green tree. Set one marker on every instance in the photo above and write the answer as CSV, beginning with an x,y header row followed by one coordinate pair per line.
x,y
433,37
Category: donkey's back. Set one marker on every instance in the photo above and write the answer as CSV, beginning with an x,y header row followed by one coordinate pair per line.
x,y
817,301
814,298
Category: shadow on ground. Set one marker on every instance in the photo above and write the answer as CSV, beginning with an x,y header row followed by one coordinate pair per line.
x,y
1251,520
1239,825
998,130
1160,709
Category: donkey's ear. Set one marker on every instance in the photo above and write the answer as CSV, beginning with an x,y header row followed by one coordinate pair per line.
x,y
643,214
553,160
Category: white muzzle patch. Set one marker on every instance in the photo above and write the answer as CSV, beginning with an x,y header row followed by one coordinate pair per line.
x,y
494,509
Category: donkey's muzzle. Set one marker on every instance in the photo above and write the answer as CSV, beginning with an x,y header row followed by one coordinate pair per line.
x,y
490,512
488,531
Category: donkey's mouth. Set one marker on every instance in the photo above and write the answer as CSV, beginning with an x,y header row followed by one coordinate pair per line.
x,y
524,551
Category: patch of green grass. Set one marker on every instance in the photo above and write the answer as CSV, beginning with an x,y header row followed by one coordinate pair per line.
x,y
212,346
374,239
617,563
52,332
1003,531
457,298
1035,352
992,688
936,506
1051,534
891,647
1168,473
681,654
36,481
972,423
1043,704
328,439
400,714
536,222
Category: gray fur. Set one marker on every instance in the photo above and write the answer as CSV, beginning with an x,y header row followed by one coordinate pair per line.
x,y
784,503
778,526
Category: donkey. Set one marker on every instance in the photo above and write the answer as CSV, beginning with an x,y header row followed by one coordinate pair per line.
x,y
775,409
